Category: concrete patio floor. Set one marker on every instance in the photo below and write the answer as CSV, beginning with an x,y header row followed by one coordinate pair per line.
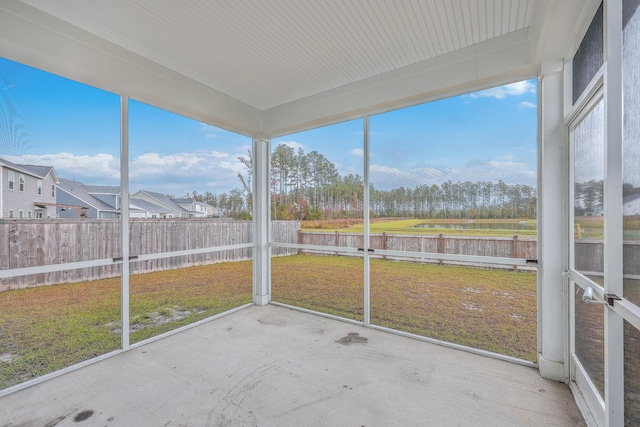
x,y
272,366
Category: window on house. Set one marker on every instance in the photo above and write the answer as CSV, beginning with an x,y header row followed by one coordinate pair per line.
x,y
39,186
12,213
38,214
29,214
20,213
53,190
12,178
21,182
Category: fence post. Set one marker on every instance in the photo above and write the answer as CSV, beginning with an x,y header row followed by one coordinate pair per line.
x,y
384,244
514,250
300,238
440,247
336,241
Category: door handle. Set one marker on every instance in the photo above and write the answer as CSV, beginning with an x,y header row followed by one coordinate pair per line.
x,y
588,297
608,298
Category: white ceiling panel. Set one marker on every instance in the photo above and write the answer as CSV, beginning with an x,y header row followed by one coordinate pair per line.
x,y
266,53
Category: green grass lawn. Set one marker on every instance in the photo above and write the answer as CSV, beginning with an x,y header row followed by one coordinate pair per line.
x,y
408,226
487,309
48,328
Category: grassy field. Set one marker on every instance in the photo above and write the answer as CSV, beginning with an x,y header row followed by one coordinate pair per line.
x,y
487,309
48,328
592,227
45,329
590,349
409,226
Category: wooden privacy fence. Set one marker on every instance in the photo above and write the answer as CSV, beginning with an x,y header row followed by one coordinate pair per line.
x,y
33,243
589,254
507,247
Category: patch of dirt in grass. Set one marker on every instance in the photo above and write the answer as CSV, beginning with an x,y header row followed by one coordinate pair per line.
x,y
6,357
493,310
502,294
51,327
170,314
471,306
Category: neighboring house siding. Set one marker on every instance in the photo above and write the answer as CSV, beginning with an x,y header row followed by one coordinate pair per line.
x,y
632,207
73,195
17,200
46,195
64,198
107,215
171,208
110,199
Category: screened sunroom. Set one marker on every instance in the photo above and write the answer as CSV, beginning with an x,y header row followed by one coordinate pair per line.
x,y
287,212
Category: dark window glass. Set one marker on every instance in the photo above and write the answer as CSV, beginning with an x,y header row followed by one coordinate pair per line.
x,y
589,57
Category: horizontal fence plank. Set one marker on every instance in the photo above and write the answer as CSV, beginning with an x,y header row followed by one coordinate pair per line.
x,y
34,243
26,244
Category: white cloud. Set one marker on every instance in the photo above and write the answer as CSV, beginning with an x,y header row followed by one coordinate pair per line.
x,y
293,144
387,177
526,104
505,165
181,173
358,152
196,164
501,92
176,173
71,166
509,171
209,131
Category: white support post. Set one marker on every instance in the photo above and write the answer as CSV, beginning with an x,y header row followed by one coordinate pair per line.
x,y
365,214
261,211
552,218
124,218
613,243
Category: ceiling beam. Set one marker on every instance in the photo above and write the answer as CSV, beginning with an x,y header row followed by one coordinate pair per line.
x,y
496,61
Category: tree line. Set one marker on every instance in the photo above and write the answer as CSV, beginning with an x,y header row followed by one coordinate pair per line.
x,y
308,186
588,196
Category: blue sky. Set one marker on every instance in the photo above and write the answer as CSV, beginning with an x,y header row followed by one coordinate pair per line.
x,y
48,120
489,135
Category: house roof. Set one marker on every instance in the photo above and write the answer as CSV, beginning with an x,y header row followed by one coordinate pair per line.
x,y
33,170
80,191
183,201
144,205
163,200
272,67
630,198
103,189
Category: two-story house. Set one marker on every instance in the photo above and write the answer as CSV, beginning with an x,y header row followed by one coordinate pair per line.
x,y
169,208
27,191
631,205
74,199
198,209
